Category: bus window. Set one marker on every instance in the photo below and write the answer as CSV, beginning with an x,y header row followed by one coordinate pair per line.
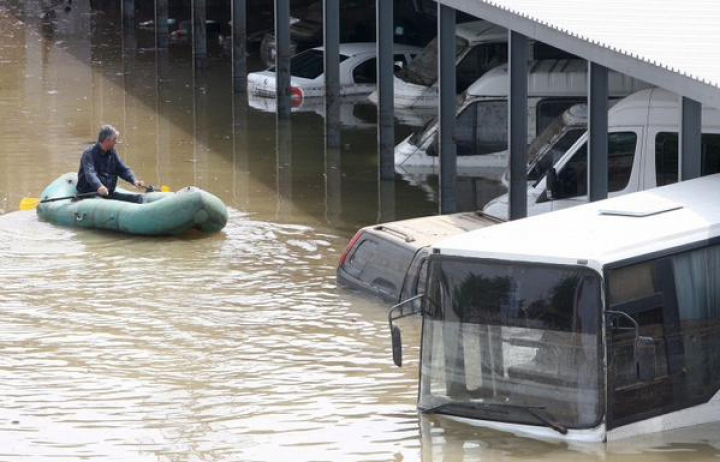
x,y
676,301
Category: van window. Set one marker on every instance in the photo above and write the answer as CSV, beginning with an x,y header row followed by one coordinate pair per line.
x,y
676,301
482,128
479,60
666,156
572,179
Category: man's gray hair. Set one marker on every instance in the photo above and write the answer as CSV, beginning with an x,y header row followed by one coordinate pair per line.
x,y
107,132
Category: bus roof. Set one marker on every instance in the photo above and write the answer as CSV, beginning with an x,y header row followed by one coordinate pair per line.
x,y
552,77
603,232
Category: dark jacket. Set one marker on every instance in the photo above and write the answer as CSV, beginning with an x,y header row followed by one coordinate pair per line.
x,y
98,167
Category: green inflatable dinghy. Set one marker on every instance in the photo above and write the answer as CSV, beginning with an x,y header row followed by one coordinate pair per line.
x,y
159,214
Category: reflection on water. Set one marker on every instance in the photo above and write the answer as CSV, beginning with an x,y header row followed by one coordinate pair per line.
x,y
236,346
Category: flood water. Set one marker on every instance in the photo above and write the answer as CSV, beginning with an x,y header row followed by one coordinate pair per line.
x,y
232,347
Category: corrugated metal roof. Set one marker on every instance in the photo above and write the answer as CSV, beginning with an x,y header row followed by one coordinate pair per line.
x,y
681,37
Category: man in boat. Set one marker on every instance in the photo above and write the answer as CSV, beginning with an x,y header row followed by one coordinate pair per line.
x,y
100,167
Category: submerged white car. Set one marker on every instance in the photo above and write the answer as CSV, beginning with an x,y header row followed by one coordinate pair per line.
x,y
358,71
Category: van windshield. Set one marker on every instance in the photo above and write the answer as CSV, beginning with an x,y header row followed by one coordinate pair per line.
x,y
423,69
554,140
503,339
549,153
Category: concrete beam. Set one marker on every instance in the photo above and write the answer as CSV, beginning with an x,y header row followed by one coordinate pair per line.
x,y
128,12
331,42
161,24
597,132
386,107
447,110
690,139
282,57
239,45
199,32
517,124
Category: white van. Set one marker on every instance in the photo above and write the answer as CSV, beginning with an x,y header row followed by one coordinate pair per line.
x,y
595,323
481,46
642,150
481,125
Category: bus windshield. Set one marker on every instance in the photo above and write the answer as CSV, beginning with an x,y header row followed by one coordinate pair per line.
x,y
512,342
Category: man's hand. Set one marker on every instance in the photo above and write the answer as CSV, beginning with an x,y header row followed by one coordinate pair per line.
x,y
103,191
140,184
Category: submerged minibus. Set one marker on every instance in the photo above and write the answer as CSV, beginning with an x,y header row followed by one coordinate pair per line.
x,y
480,47
480,136
594,323
642,154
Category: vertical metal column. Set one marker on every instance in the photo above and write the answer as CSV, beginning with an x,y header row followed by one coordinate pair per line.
x,y
690,139
128,12
448,108
161,24
283,165
128,57
241,162
163,160
282,57
239,45
200,127
386,118
333,172
598,132
517,124
199,13
331,21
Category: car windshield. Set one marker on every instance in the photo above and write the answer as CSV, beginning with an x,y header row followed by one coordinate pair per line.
x,y
423,69
513,342
308,64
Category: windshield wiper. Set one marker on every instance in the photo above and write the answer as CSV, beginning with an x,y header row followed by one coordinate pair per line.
x,y
535,411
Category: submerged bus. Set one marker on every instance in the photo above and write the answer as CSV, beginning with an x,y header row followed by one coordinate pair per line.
x,y
594,323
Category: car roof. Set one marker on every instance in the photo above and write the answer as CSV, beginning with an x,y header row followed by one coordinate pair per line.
x,y
360,48
424,231
602,232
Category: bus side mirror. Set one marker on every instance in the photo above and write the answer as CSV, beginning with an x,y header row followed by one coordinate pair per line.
x,y
396,346
645,358
551,182
399,311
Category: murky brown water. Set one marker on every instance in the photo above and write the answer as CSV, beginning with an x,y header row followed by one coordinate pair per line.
x,y
235,347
